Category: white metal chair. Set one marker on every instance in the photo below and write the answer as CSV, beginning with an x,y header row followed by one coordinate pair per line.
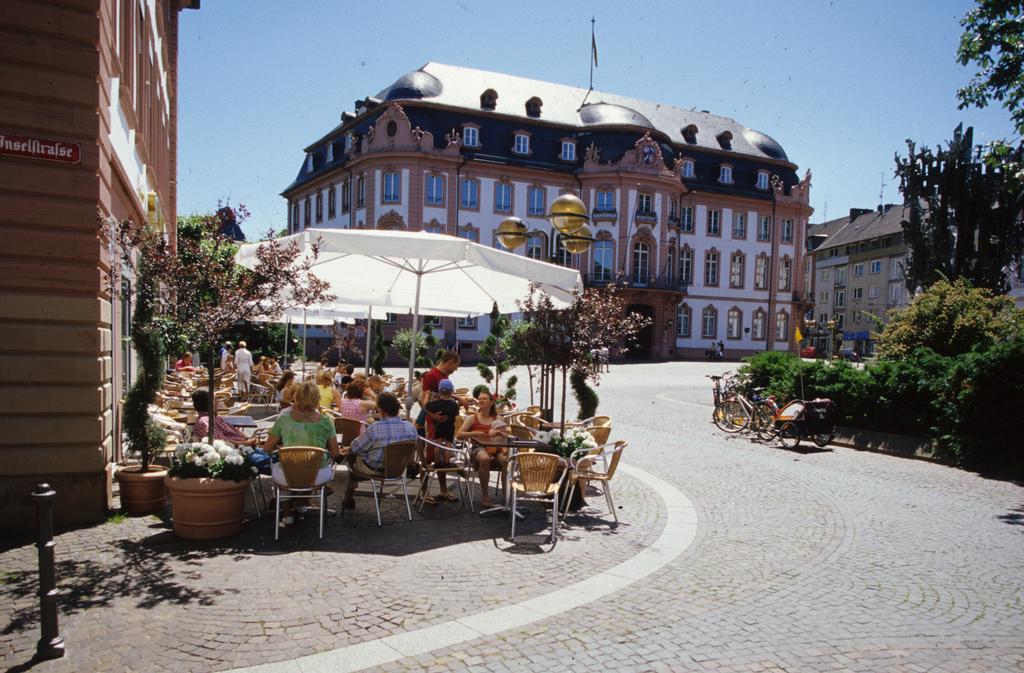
x,y
449,461
599,465
536,477
397,457
300,474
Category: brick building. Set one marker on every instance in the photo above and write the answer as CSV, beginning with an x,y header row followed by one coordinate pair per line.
x,y
87,128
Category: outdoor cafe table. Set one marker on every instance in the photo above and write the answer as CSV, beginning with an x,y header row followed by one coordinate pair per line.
x,y
240,421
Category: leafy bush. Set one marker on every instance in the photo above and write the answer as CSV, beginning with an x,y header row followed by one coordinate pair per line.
x,y
951,319
962,404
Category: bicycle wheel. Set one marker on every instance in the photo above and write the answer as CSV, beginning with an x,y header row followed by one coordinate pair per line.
x,y
765,423
789,435
823,439
730,416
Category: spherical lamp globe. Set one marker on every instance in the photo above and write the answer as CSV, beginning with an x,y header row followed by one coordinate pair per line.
x,y
568,213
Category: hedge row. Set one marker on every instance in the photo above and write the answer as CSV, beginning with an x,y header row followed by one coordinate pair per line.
x,y
966,405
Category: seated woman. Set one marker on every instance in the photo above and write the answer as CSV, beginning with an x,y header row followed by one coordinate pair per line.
x,y
375,386
285,390
273,368
485,426
353,404
305,425
328,394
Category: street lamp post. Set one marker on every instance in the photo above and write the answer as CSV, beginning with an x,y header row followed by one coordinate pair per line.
x,y
569,217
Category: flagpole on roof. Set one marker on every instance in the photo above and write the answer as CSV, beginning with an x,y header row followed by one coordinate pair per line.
x,y
593,63
593,52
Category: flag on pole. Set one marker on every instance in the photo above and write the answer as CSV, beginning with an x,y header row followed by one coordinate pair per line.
x,y
799,335
593,44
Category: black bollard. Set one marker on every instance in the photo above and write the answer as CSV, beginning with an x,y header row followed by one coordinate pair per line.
x,y
51,643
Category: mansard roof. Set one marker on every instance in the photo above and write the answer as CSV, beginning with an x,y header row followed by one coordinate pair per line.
x,y
461,87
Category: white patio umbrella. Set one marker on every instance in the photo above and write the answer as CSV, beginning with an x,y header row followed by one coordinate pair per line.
x,y
429,274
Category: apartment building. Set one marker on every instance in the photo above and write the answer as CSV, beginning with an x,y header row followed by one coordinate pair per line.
x,y
857,276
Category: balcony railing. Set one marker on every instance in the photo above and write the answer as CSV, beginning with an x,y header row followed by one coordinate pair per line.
x,y
663,282
604,214
646,216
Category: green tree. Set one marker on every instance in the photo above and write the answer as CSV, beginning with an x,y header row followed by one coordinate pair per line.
x,y
993,41
964,212
426,346
378,351
495,360
951,318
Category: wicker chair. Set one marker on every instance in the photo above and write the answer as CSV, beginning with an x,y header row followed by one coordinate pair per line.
x,y
536,477
600,433
396,460
299,469
348,429
521,431
458,464
599,466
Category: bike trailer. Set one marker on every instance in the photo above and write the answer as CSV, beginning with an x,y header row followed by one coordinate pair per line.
x,y
815,416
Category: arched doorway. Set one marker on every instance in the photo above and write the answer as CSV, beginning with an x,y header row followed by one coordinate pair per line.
x,y
643,346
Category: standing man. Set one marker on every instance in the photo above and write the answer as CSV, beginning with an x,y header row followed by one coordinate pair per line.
x,y
429,386
604,356
243,369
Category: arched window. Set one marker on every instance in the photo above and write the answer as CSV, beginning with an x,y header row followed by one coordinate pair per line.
x,y
757,325
686,265
604,261
683,317
489,99
782,326
709,322
641,263
533,107
734,323
736,265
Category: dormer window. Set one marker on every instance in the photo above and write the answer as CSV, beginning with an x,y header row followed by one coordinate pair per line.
x,y
489,100
762,179
725,140
330,152
522,143
690,133
309,162
348,142
533,107
470,136
568,150
688,168
725,174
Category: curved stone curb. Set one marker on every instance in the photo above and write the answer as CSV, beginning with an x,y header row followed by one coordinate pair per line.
x,y
678,534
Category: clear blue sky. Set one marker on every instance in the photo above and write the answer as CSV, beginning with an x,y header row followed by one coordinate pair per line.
x,y
839,84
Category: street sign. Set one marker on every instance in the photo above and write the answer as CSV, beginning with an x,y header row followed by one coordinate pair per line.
x,y
40,148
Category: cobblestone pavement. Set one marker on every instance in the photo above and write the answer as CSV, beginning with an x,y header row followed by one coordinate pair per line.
x,y
818,561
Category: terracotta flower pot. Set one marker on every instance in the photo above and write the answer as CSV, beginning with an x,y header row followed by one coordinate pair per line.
x,y
204,509
142,492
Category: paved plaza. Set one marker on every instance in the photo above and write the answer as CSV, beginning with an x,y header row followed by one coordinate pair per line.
x,y
729,556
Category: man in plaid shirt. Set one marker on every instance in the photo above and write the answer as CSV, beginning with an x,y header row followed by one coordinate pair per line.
x,y
368,448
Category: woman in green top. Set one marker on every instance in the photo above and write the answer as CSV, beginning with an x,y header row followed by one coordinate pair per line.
x,y
303,425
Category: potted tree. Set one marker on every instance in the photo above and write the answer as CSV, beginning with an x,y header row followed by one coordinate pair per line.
x,y
142,486
190,289
210,293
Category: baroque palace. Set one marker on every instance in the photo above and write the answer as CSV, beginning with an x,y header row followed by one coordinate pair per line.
x,y
699,219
